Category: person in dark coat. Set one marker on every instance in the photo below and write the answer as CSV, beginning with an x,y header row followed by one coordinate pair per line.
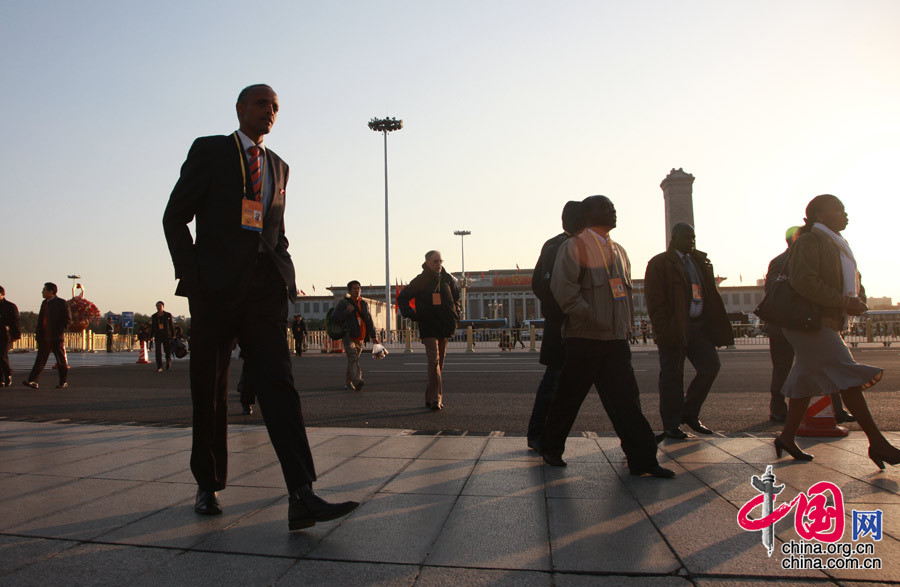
x,y
298,329
238,276
10,332
162,325
689,322
110,332
553,351
53,320
436,295
353,314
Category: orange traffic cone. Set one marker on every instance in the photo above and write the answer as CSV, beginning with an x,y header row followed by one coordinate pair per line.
x,y
819,420
144,356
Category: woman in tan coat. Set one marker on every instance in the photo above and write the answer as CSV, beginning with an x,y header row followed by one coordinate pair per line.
x,y
822,269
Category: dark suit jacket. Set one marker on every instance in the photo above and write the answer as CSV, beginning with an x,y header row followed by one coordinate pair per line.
x,y
58,316
9,322
667,288
167,332
219,262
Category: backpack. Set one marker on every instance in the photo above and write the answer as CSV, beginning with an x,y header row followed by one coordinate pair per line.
x,y
334,330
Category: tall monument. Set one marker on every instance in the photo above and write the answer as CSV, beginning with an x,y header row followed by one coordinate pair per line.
x,y
677,190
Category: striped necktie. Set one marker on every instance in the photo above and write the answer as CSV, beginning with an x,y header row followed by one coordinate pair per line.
x,y
255,175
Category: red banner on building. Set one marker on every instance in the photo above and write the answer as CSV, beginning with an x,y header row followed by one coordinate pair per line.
x,y
517,279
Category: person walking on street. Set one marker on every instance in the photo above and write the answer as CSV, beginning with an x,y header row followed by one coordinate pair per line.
x,y
437,308
238,267
591,281
10,332
823,269
110,332
53,320
163,327
553,351
689,322
298,329
353,314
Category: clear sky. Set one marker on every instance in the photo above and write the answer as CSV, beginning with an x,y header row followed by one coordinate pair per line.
x,y
510,109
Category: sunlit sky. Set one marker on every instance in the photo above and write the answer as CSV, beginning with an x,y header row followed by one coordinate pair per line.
x,y
510,109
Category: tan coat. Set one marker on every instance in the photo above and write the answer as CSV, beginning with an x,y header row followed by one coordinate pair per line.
x,y
580,284
815,273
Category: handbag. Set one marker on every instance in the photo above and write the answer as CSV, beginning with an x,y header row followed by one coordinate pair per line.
x,y
181,350
784,307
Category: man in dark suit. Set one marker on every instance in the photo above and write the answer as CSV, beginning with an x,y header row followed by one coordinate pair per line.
x,y
163,327
9,333
689,322
53,319
238,277
298,328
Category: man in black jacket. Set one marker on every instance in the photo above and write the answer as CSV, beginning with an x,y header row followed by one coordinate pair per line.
x,y
689,322
162,325
353,314
9,333
436,295
53,319
238,277
553,351
298,329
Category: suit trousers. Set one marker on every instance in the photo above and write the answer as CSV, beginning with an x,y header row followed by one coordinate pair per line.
x,y
674,406
5,369
605,364
259,323
45,347
546,391
782,354
163,344
435,351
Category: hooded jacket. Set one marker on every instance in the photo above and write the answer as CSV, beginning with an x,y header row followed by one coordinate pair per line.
x,y
435,320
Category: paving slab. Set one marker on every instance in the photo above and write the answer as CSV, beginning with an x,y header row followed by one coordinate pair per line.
x,y
494,532
314,572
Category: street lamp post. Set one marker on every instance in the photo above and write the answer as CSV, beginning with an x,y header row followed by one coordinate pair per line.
x,y
462,234
384,126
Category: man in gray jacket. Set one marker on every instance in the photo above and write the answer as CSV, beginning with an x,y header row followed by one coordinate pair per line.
x,y
592,283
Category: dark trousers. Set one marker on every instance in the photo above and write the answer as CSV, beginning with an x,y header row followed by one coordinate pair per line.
x,y
606,364
298,346
45,347
5,369
674,405
546,391
248,397
782,354
161,345
259,323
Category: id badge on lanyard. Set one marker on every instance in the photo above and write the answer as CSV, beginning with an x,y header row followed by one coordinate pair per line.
x,y
618,288
696,292
251,215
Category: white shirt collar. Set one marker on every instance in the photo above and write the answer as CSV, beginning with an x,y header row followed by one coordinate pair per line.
x,y
247,142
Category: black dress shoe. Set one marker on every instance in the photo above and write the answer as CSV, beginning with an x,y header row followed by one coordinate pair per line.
x,y
305,508
844,416
698,427
656,471
535,445
553,460
248,409
676,433
207,503
31,384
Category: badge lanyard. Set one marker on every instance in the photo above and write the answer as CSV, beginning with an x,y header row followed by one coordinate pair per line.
x,y
436,294
616,286
251,209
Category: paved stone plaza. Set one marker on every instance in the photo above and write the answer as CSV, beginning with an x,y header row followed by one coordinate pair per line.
x,y
92,504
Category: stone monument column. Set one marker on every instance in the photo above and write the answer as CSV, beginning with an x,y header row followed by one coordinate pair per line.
x,y
677,190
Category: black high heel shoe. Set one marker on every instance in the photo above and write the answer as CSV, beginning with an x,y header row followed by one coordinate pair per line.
x,y
881,458
793,451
